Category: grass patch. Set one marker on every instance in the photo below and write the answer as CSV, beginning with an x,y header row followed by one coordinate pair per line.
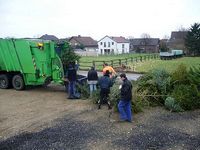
x,y
169,65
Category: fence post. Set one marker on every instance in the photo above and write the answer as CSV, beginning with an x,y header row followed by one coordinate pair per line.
x,y
126,61
145,57
112,63
120,62
93,63
131,59
141,58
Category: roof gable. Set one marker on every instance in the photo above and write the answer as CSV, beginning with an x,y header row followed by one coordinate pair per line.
x,y
86,41
117,39
120,39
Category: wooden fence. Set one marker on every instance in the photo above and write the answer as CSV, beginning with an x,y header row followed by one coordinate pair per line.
x,y
116,62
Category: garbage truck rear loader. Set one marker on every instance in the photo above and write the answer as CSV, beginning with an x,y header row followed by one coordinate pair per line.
x,y
26,62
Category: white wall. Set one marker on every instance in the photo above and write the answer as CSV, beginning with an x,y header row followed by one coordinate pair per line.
x,y
91,49
120,49
117,47
106,40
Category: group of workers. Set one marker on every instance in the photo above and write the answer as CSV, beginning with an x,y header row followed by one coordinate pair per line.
x,y
105,83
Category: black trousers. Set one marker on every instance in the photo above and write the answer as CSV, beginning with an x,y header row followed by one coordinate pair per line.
x,y
104,96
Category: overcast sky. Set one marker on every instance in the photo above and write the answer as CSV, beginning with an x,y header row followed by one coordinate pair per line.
x,y
96,18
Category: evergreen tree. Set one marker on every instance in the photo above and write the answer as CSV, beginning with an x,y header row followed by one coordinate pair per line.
x,y
68,55
192,40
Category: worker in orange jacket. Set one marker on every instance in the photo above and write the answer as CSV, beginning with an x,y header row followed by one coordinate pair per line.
x,y
110,69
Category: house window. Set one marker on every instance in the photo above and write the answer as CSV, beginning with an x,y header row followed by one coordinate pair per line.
x,y
101,43
106,51
122,45
112,43
104,44
108,44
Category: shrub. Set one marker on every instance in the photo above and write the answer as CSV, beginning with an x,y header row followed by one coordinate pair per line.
x,y
185,87
180,75
181,85
96,96
137,103
155,84
194,76
186,96
84,90
172,105
114,96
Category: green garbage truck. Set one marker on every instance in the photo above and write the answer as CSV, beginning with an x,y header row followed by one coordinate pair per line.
x,y
25,62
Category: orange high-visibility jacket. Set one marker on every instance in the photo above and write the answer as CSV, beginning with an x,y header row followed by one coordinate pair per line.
x,y
110,69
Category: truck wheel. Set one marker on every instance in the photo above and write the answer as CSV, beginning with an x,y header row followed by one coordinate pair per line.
x,y
4,82
18,82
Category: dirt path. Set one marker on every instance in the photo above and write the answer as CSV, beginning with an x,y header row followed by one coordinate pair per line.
x,y
42,118
29,110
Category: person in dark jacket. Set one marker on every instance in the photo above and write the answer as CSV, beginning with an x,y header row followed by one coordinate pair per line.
x,y
92,77
105,83
124,105
71,76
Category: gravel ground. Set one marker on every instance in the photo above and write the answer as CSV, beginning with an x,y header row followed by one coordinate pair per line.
x,y
79,125
162,130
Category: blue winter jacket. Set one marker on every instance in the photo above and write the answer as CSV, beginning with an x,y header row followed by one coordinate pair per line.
x,y
105,82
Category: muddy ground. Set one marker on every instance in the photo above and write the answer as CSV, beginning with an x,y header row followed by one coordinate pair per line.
x,y
43,118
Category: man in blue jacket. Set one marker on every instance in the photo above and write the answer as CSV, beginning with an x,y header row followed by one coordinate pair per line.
x,y
105,83
124,105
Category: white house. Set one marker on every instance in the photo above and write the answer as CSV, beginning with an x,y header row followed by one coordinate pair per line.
x,y
113,45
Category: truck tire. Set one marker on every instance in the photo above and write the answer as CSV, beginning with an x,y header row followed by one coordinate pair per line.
x,y
4,81
18,82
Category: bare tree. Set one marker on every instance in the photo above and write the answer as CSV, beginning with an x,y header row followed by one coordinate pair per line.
x,y
145,36
130,37
166,37
181,28
145,40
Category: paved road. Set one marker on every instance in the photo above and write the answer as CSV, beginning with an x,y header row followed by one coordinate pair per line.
x,y
130,76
